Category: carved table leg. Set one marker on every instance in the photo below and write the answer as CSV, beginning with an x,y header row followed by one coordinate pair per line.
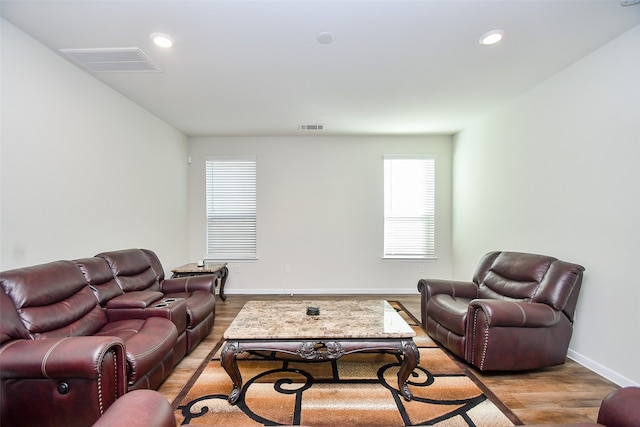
x,y
222,275
230,365
410,359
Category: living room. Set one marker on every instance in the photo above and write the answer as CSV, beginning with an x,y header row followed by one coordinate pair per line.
x,y
85,170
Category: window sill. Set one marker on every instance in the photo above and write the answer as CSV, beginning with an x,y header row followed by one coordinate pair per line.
x,y
401,258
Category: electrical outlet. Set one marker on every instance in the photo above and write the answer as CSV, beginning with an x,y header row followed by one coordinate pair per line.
x,y
237,269
287,268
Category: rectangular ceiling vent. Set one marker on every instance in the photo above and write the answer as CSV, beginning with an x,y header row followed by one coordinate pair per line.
x,y
311,127
112,60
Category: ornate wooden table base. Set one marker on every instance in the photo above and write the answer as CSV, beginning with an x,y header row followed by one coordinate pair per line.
x,y
320,350
219,270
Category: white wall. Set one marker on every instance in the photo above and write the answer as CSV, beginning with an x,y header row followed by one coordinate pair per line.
x,y
82,169
320,210
556,172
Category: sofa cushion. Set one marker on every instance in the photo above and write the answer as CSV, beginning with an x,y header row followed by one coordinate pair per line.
x,y
100,277
147,342
53,300
449,311
136,299
11,328
514,276
155,263
132,270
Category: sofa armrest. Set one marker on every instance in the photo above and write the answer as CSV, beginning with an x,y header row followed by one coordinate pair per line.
x,y
79,375
503,313
139,408
204,282
621,408
70,357
430,287
135,299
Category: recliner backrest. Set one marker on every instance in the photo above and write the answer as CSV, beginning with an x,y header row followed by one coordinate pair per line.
x,y
529,277
53,300
155,263
100,278
11,328
132,270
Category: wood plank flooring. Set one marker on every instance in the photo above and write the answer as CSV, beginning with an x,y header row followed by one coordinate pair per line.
x,y
569,393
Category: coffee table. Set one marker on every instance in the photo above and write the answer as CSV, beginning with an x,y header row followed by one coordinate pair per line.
x,y
342,327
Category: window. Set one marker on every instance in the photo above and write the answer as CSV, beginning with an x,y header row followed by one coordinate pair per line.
x,y
409,207
231,208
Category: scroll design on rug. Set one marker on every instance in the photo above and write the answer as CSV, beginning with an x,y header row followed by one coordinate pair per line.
x,y
356,389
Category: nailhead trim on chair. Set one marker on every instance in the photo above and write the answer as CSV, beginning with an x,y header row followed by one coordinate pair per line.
x,y
486,339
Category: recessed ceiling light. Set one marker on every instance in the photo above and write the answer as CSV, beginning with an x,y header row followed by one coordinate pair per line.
x,y
325,37
162,40
492,37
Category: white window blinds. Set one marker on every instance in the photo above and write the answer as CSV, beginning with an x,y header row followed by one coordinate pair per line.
x,y
409,207
231,208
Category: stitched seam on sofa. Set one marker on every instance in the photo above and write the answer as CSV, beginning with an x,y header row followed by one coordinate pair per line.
x,y
186,285
43,366
524,315
556,314
9,345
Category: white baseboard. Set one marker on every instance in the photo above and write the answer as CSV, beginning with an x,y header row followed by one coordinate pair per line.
x,y
599,369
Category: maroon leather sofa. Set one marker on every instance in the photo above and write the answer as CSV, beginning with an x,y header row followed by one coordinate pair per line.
x,y
63,347
516,313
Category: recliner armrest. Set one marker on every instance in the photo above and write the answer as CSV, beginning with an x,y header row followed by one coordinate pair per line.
x,y
621,408
505,313
81,375
204,282
430,287
76,357
139,408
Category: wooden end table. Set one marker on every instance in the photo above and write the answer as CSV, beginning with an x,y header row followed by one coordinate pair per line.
x,y
218,269
342,327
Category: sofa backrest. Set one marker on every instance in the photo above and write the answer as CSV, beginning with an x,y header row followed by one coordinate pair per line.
x,y
53,300
11,328
155,263
132,270
98,274
531,278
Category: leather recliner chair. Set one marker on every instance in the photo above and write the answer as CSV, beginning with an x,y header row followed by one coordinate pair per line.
x,y
516,314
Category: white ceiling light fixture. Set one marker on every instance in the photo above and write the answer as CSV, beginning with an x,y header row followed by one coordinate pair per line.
x,y
491,37
162,40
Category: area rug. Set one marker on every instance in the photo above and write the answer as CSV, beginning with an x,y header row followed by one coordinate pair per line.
x,y
358,389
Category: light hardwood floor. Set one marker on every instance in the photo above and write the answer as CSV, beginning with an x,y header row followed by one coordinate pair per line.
x,y
569,393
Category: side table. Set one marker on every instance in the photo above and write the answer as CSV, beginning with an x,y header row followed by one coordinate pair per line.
x,y
219,270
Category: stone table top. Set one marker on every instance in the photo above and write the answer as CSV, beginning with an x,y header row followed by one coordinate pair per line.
x,y
209,267
338,319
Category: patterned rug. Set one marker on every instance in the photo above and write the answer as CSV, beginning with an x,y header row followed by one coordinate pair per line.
x,y
357,389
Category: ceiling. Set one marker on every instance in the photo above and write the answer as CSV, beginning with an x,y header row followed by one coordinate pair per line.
x,y
394,67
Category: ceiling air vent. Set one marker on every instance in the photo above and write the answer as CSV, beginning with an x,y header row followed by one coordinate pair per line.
x,y
112,60
310,127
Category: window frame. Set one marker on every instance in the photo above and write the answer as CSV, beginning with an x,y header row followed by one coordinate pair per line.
x,y
429,214
244,250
